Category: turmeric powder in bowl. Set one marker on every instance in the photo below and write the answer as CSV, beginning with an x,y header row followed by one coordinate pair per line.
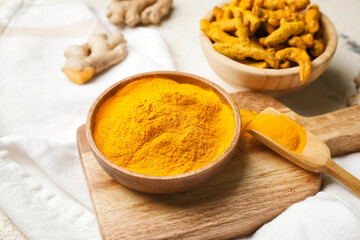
x,y
159,127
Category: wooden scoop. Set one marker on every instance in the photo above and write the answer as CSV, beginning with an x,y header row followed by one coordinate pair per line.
x,y
315,157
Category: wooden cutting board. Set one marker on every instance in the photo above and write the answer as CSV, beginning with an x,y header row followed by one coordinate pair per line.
x,y
254,188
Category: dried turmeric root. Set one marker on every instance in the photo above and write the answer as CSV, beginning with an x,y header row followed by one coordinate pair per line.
x,y
318,47
267,33
270,16
215,33
298,5
99,53
312,17
303,42
286,30
225,24
218,13
250,19
296,55
240,52
274,4
133,12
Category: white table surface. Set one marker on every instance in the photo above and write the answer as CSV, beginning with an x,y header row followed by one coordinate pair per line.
x,y
328,93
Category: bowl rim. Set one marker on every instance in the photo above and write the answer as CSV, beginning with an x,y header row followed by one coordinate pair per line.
x,y
327,54
167,74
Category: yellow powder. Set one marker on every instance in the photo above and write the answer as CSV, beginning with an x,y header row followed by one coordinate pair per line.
x,y
246,117
281,129
159,127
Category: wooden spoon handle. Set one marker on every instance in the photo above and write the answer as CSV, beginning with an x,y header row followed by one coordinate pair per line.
x,y
340,130
343,176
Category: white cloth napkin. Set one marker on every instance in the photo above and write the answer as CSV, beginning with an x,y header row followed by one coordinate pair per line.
x,y
42,186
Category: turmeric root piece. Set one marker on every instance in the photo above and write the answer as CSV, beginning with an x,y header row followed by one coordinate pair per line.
x,y
268,28
303,42
284,64
274,4
355,99
218,13
252,21
312,17
272,17
258,3
246,4
296,55
242,31
297,42
225,24
240,52
216,34
249,18
99,53
286,30
298,5
318,47
133,12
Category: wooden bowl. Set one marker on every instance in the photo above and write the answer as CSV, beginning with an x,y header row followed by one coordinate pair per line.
x,y
163,184
279,81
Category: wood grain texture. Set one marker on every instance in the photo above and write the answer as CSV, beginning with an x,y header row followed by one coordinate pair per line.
x,y
255,187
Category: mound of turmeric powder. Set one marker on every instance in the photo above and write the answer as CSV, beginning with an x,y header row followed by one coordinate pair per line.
x,y
159,127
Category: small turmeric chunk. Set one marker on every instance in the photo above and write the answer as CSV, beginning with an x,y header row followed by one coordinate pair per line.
x,y
269,28
302,42
225,24
240,52
297,55
246,4
318,47
272,17
234,3
286,30
284,64
242,32
215,33
298,5
297,42
312,17
258,3
218,13
250,19
274,4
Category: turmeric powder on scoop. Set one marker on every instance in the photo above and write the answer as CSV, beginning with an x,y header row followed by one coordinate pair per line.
x,y
281,129
159,127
